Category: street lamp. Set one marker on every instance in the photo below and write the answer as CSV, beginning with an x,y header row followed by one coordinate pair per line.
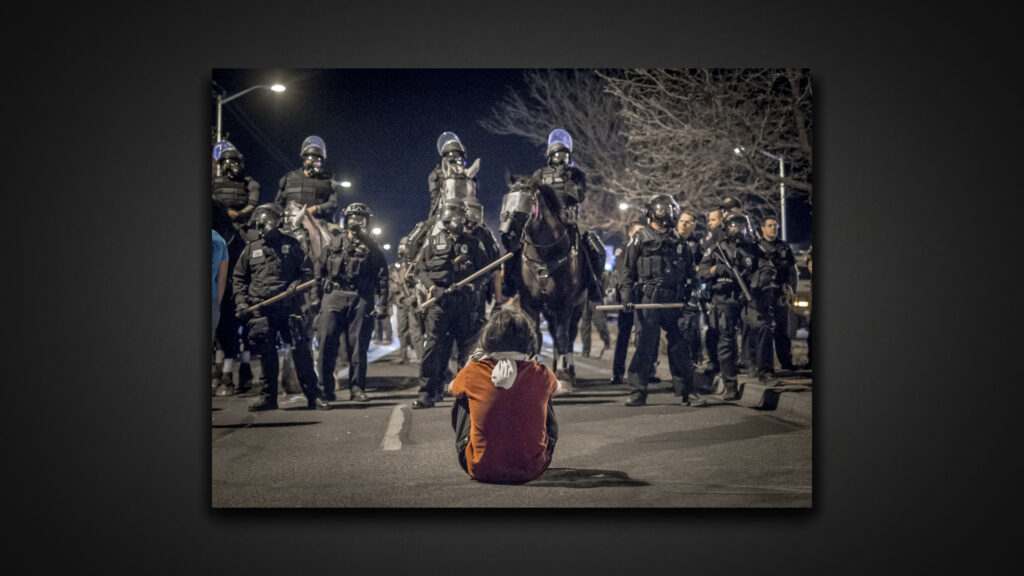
x,y
375,231
345,184
782,185
221,100
623,206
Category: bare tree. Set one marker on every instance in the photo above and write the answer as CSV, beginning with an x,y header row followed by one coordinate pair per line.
x,y
701,134
577,101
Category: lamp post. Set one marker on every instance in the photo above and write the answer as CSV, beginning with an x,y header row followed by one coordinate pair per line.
x,y
221,100
782,186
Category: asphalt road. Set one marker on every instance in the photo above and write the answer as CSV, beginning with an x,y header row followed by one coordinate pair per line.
x,y
382,454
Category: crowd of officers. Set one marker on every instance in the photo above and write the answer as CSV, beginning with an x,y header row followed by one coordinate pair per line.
x,y
288,290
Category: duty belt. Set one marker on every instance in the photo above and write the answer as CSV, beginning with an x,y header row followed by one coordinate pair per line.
x,y
331,286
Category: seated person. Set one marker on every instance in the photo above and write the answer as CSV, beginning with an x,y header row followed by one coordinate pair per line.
x,y
505,428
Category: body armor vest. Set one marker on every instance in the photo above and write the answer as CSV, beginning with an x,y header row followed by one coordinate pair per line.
x,y
449,260
306,190
348,264
566,182
232,194
663,259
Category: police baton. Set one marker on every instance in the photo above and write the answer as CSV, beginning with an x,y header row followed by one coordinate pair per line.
x,y
300,288
642,306
470,278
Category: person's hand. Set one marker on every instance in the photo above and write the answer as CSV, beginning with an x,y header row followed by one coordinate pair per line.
x,y
243,313
629,307
233,214
313,209
380,312
714,269
292,287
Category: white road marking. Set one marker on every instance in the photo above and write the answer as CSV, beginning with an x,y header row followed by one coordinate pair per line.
x,y
391,441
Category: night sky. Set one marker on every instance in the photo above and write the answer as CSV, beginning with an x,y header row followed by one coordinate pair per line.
x,y
380,127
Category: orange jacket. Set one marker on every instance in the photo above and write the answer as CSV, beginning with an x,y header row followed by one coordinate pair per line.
x,y
508,436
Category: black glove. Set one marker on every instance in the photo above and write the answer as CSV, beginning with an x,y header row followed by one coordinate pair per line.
x,y
629,307
292,287
380,312
243,313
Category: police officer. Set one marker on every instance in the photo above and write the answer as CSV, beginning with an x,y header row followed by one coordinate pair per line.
x,y
570,185
448,257
727,300
450,178
659,266
592,319
235,195
693,312
273,264
477,228
311,185
410,332
624,322
354,280
784,289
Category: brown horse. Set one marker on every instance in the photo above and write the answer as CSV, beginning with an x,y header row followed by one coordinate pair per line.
x,y
549,270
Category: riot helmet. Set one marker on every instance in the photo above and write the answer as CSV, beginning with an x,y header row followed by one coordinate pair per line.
x,y
664,210
357,217
266,218
474,211
313,154
730,204
736,226
559,147
453,215
450,148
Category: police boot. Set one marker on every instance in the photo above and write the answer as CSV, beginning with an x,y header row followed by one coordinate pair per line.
x,y
356,394
287,376
733,391
264,403
244,378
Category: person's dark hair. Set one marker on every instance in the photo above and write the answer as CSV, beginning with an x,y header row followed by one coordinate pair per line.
x,y
509,330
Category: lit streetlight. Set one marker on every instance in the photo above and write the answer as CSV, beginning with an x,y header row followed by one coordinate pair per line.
x,y
221,100
345,184
375,231
386,246
623,206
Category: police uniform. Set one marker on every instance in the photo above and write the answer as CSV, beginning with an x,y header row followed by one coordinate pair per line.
x,y
659,266
711,334
445,260
266,268
594,318
353,277
318,190
728,304
410,332
781,256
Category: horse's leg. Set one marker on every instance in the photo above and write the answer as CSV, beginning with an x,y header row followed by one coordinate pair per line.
x,y
566,373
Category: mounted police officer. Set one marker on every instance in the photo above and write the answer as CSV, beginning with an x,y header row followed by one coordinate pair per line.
x,y
659,269
728,302
570,185
235,195
451,178
354,280
271,265
448,257
311,185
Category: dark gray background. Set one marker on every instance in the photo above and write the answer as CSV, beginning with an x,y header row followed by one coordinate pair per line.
x,y
108,140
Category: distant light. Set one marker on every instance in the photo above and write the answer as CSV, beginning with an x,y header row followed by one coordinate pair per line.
x,y
397,265
346,184
387,246
608,266
623,206
803,303
277,87
375,231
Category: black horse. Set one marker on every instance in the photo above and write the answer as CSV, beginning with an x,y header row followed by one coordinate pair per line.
x,y
548,275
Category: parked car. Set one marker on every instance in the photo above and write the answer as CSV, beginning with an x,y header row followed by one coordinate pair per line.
x,y
800,312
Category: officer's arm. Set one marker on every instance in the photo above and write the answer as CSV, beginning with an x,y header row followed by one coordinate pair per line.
x,y
279,198
254,197
629,271
240,277
383,278
581,184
